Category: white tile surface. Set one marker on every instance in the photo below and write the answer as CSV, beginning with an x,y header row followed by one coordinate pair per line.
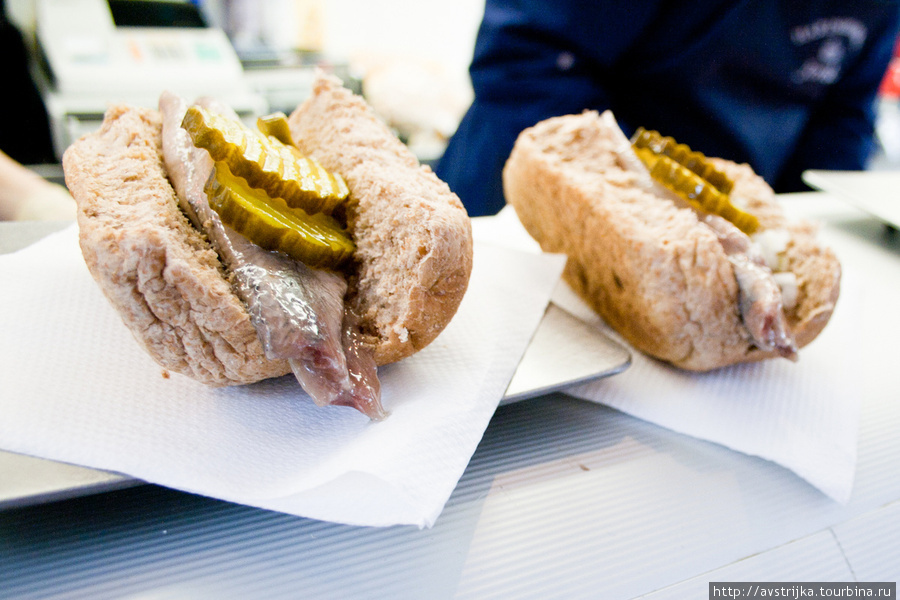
x,y
870,543
814,558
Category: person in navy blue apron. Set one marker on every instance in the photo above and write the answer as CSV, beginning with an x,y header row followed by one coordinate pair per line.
x,y
784,85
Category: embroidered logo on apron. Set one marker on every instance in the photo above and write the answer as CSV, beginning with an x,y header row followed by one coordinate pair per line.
x,y
827,43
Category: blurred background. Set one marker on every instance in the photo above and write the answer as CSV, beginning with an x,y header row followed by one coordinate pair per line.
x,y
408,57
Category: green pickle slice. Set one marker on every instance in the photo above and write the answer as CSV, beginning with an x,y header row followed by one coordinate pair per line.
x,y
696,162
266,162
317,240
692,176
276,125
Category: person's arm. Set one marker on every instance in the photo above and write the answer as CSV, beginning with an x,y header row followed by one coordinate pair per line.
x,y
840,132
25,196
532,60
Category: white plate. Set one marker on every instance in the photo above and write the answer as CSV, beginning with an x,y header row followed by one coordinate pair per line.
x,y
876,192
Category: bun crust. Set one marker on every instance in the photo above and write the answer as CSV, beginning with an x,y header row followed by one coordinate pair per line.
x,y
655,273
156,270
409,279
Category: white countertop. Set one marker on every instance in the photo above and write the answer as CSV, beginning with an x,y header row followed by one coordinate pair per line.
x,y
563,498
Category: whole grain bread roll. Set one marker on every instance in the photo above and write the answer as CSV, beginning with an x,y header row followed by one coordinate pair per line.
x,y
171,290
651,269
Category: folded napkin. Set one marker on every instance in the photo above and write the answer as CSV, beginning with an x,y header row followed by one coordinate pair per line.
x,y
77,388
803,416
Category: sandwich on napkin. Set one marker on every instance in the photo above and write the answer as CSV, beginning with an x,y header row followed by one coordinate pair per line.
x,y
315,244
690,259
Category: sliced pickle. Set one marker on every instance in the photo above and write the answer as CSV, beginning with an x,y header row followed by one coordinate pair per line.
x,y
683,155
265,162
317,240
698,192
276,126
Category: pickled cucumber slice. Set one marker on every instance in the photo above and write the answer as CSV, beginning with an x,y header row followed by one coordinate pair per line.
x,y
690,175
317,240
698,192
276,126
266,163
683,155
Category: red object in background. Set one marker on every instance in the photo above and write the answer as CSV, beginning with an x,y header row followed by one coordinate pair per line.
x,y
890,85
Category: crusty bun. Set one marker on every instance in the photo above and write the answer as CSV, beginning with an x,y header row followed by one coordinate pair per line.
x,y
171,290
651,269
412,234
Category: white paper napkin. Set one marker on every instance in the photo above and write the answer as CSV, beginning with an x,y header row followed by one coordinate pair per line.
x,y
803,416
77,388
